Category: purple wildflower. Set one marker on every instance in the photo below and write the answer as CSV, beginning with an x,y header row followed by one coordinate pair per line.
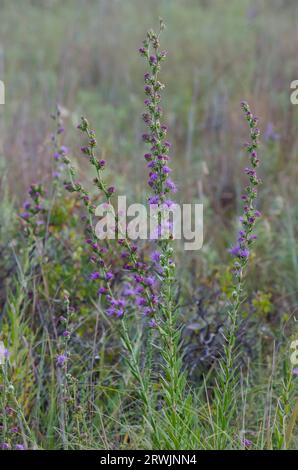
x,y
158,180
61,360
166,169
244,253
25,215
246,442
102,291
27,205
109,276
140,301
153,200
19,447
94,276
4,445
148,311
149,281
128,291
234,250
111,190
155,256
168,203
63,150
170,185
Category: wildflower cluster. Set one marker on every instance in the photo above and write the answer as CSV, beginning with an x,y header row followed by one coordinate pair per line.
x,y
158,157
138,282
159,180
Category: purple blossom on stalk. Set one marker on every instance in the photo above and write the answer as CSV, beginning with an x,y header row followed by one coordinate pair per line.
x,y
234,250
95,275
245,236
153,200
102,291
25,215
169,203
170,185
132,264
63,150
166,169
115,310
150,281
155,136
61,360
140,301
111,189
241,252
109,276
152,323
4,446
27,205
161,185
147,311
244,253
246,442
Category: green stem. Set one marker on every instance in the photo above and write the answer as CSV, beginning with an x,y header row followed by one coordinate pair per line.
x,y
133,363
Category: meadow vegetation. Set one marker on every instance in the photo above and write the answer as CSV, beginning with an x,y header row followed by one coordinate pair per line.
x,y
121,345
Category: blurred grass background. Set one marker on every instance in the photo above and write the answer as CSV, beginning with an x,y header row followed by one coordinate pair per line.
x,y
83,55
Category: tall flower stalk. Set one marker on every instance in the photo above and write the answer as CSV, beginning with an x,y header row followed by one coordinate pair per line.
x,y
227,375
173,380
139,285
